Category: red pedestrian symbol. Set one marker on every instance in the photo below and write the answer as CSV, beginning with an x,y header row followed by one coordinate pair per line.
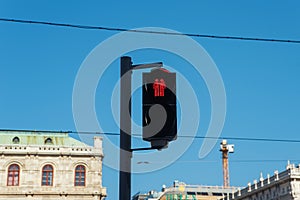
x,y
159,87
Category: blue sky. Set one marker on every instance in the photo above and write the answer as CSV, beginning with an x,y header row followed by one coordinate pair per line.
x,y
39,65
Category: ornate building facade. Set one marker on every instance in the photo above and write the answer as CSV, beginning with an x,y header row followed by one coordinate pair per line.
x,y
281,186
40,165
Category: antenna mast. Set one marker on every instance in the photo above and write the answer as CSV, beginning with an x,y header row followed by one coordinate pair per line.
x,y
225,149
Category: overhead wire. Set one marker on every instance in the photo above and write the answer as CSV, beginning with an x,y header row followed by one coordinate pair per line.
x,y
179,136
78,26
217,161
202,137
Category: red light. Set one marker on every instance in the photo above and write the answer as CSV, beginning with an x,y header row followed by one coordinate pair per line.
x,y
159,87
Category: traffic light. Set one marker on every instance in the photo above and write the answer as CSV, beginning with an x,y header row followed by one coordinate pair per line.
x,y
159,107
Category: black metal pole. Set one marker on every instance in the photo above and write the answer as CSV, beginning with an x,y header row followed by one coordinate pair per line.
x,y
125,129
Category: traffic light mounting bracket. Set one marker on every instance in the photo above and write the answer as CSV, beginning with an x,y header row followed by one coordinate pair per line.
x,y
145,66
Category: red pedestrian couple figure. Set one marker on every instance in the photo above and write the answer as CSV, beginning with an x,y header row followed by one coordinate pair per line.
x,y
159,87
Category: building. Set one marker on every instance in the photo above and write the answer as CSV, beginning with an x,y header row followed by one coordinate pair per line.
x,y
182,191
280,186
49,165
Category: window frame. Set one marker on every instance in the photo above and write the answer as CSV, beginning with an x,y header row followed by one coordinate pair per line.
x,y
47,172
10,170
81,169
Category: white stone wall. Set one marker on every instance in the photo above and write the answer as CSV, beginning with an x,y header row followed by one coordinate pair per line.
x,y
280,191
281,186
64,160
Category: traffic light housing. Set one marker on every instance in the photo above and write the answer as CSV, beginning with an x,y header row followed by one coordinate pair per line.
x,y
159,107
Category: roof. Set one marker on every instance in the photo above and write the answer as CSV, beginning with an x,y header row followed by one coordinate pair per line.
x,y
32,138
180,190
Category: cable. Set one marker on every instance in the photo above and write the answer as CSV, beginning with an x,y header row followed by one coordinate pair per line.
x,y
207,137
218,161
243,139
263,161
179,136
149,32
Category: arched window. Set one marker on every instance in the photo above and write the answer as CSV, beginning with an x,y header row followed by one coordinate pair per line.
x,y
13,175
80,175
47,175
16,140
48,141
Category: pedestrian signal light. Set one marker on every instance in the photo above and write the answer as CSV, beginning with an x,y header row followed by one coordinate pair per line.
x,y
159,107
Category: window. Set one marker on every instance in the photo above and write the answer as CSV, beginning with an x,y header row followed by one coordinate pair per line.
x,y
80,175
47,175
217,194
48,141
13,175
191,193
16,140
202,193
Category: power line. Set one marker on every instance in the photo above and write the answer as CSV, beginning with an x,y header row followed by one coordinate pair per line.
x,y
243,139
218,161
149,32
179,136
205,137
264,160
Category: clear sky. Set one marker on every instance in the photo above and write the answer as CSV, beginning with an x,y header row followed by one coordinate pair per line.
x,y
39,64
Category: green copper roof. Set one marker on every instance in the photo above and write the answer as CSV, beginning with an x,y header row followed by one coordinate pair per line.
x,y
38,138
